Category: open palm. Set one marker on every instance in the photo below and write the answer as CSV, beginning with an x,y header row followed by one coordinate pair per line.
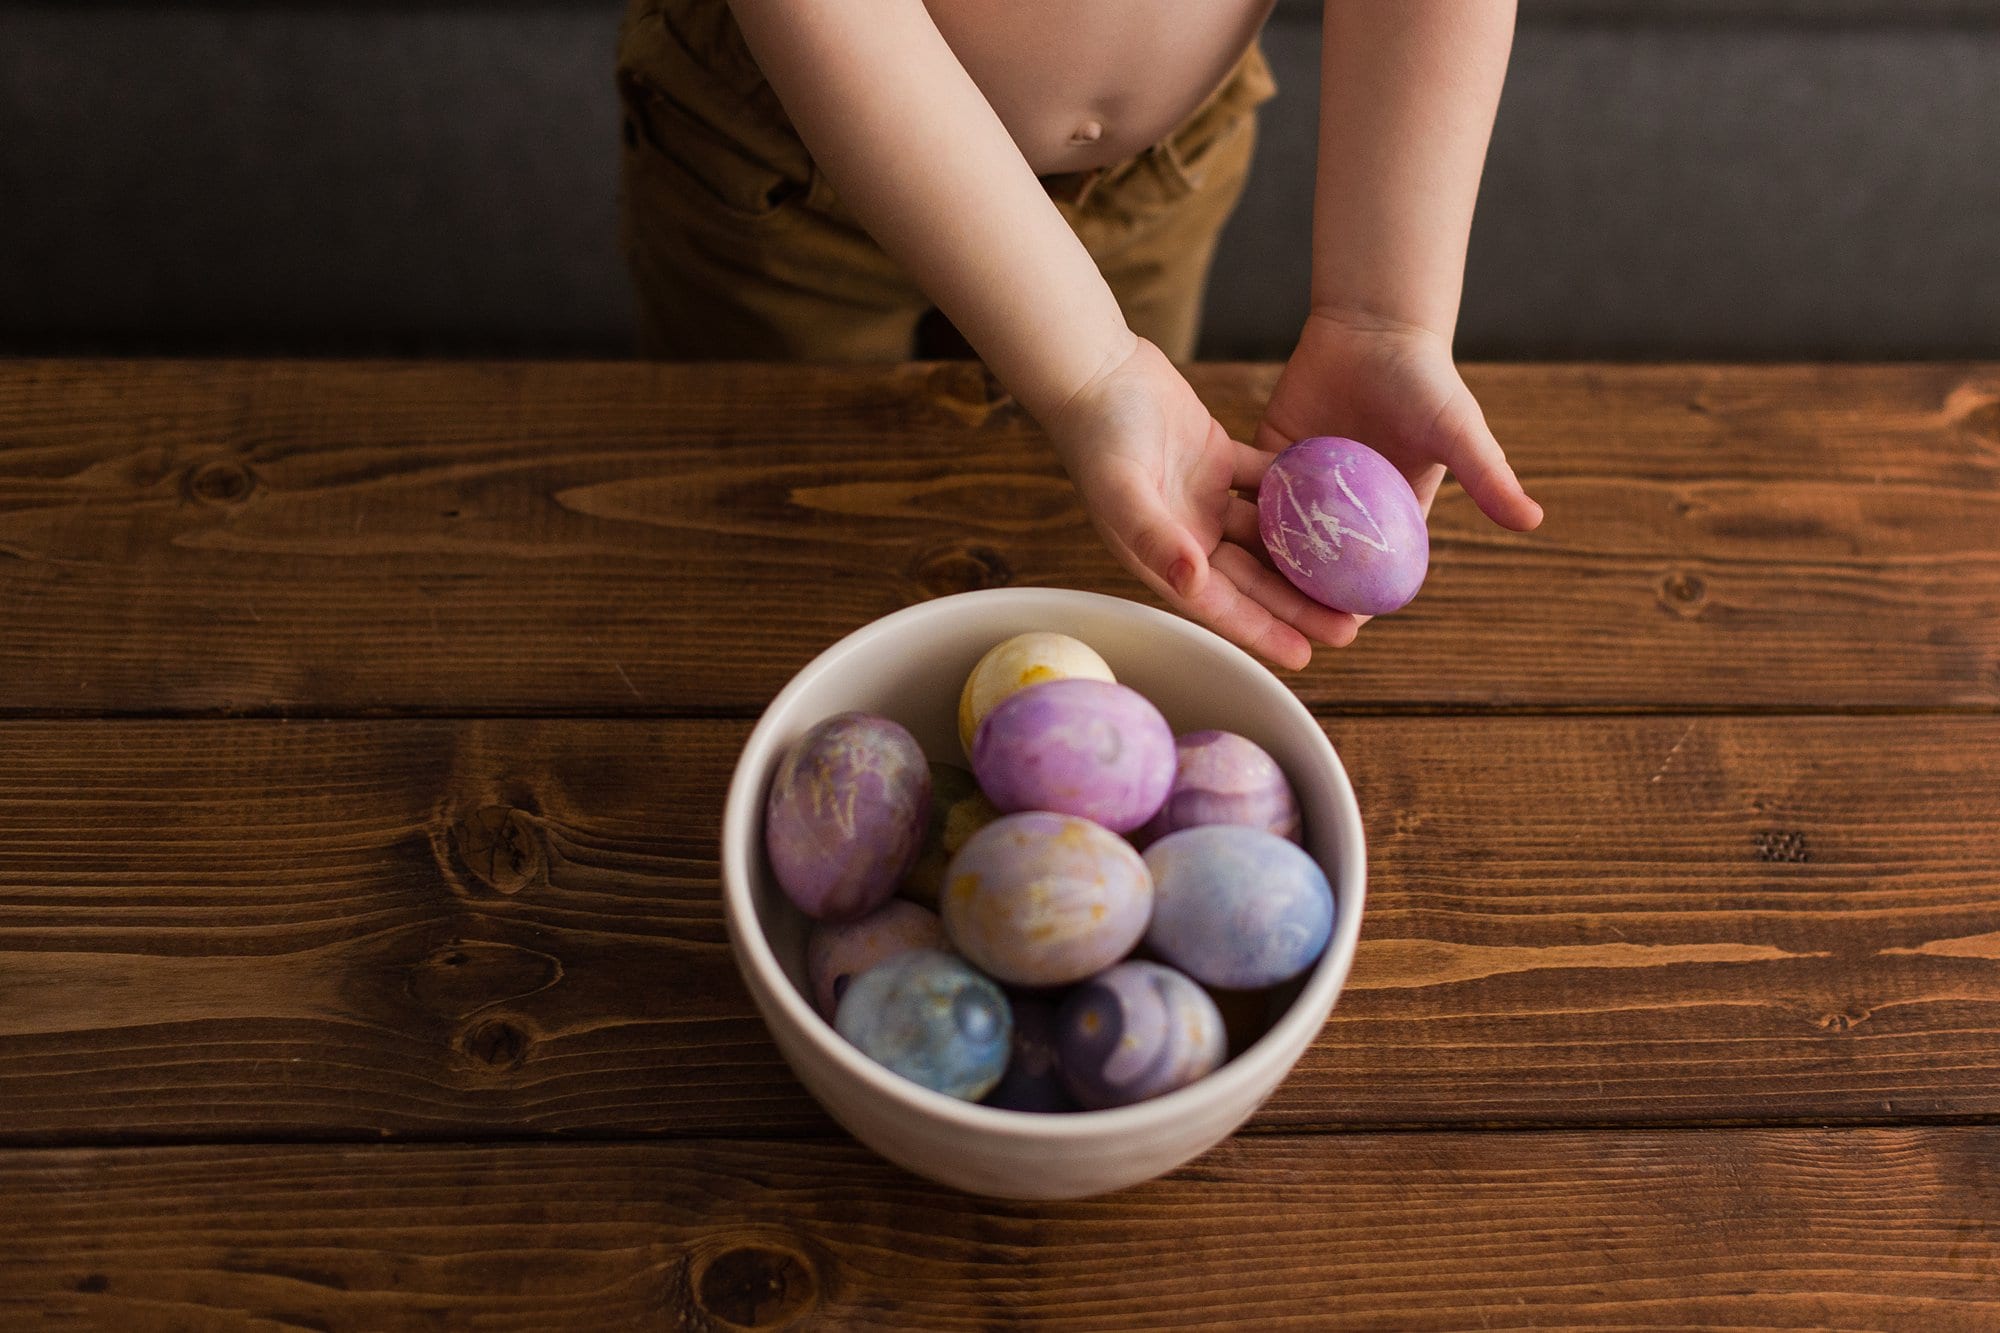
x,y
1157,473
1394,388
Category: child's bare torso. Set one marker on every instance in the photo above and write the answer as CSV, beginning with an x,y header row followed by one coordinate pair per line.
x,y
1085,83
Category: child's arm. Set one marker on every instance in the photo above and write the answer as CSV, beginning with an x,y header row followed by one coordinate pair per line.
x,y
921,159
1408,93
919,156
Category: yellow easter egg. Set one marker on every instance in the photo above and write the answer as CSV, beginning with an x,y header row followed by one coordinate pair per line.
x,y
1015,664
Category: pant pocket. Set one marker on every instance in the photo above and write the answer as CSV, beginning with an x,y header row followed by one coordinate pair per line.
x,y
701,123
703,165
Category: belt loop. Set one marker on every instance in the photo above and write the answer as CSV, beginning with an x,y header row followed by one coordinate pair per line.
x,y
1072,187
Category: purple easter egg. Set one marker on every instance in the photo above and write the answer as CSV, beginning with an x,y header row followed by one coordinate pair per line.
x,y
1223,778
839,951
1237,907
1042,899
1136,1031
846,815
1344,526
1078,747
1033,1081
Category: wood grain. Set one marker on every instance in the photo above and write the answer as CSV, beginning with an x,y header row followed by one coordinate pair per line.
x,y
257,929
356,538
1880,1229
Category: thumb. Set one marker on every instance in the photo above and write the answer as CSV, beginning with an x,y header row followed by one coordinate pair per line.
x,y
1159,544
1476,459
1270,439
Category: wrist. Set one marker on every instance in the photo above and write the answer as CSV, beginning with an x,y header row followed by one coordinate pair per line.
x,y
1075,394
1355,318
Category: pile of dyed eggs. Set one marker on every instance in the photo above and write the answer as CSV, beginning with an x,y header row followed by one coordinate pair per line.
x,y
1071,908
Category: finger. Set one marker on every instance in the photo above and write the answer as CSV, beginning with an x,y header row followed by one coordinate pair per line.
x,y
1227,610
1426,484
1248,465
1269,439
1321,624
1476,459
1240,524
1154,543
1161,545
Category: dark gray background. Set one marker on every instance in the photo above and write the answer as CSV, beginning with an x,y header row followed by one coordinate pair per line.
x,y
1668,179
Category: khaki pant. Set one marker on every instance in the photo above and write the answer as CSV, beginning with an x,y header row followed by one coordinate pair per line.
x,y
739,249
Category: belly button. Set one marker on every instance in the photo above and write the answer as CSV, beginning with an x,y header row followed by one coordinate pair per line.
x,y
1088,132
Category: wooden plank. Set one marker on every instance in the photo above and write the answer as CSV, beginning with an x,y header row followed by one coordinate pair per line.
x,y
1859,1228
448,929
341,538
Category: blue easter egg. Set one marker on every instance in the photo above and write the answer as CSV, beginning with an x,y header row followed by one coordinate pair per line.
x,y
933,1018
1237,907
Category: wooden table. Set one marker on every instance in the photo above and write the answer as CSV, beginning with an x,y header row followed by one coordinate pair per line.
x,y
361,965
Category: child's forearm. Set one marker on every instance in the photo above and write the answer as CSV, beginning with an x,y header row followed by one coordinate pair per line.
x,y
920,157
1407,96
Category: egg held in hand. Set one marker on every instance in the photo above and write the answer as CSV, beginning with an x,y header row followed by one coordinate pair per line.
x,y
1223,778
1342,524
1237,907
846,815
932,1018
1042,899
1088,748
1136,1031
1012,665
839,951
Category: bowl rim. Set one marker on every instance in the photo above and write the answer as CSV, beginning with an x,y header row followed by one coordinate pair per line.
x,y
1261,1063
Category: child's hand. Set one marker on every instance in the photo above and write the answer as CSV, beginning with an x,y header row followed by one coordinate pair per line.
x,y
1155,471
1394,388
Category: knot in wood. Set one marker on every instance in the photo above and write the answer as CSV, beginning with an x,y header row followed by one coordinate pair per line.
x,y
222,481
958,568
503,848
756,1286
497,1044
1684,593
1782,846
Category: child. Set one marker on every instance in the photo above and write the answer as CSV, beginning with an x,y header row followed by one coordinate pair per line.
x,y
805,178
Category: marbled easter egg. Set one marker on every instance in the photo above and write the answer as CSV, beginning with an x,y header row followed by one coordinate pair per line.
x,y
1343,525
1042,899
958,810
846,814
1079,747
839,951
932,1018
1016,663
1223,778
1237,907
1136,1031
1033,1081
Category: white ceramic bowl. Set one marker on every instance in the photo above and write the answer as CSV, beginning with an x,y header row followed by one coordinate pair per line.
x,y
910,666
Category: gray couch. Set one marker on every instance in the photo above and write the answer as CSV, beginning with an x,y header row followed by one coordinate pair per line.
x,y
1669,178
